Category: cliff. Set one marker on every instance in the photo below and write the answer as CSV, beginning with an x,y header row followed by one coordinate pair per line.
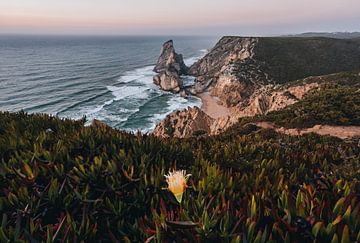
x,y
251,76
194,121
277,59
237,66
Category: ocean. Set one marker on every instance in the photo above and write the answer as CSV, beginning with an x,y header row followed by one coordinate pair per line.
x,y
104,78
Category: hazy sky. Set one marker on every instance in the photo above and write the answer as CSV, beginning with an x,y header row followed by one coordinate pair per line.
x,y
178,17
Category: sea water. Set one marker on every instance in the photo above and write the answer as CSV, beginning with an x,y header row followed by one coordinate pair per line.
x,y
104,78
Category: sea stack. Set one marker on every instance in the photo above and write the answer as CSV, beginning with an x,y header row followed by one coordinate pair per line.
x,y
169,67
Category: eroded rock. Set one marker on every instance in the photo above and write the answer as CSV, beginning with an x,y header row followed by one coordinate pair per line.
x,y
186,123
239,66
170,60
253,76
168,81
169,67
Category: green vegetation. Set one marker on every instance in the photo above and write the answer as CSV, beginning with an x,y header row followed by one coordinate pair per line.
x,y
331,106
286,59
336,103
63,182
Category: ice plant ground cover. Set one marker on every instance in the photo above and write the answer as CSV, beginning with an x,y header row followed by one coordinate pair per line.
x,y
61,181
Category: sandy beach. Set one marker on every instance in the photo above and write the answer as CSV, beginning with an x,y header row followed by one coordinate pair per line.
x,y
211,106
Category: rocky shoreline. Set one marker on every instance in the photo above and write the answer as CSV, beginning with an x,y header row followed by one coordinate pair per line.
x,y
247,76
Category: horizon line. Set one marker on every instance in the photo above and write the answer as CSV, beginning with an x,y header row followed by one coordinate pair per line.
x,y
167,35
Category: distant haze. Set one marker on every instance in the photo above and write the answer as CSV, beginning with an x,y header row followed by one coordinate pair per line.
x,y
178,17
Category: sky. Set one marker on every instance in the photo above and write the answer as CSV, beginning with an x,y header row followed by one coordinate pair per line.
x,y
178,17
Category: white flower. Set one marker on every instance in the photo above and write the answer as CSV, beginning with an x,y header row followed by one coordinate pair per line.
x,y
176,181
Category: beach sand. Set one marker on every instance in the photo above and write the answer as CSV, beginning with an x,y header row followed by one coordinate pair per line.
x,y
212,107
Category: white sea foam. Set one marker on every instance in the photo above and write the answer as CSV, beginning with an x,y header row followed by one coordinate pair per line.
x,y
188,80
176,102
136,87
190,61
102,114
137,75
139,92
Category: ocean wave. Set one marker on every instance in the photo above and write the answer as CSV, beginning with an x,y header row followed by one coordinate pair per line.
x,y
133,92
191,60
144,76
137,103
76,104
176,102
137,75
101,113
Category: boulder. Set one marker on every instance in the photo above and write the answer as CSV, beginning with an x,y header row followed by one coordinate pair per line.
x,y
168,81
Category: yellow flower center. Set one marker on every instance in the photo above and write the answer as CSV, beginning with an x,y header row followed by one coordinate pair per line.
x,y
176,181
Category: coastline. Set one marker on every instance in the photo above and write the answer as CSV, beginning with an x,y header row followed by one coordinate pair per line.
x,y
212,107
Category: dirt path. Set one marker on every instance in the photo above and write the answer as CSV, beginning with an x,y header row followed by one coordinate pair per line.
x,y
343,132
212,106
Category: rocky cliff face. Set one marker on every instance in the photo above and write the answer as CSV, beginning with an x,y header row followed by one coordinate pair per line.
x,y
268,98
253,76
271,98
169,67
238,66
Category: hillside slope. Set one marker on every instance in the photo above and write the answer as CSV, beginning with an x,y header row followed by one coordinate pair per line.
x,y
250,75
61,181
319,100
277,59
237,66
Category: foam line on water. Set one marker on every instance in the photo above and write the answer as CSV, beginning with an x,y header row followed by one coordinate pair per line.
x,y
137,75
136,87
138,92
176,102
191,60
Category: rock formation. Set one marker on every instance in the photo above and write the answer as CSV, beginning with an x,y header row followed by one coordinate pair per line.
x,y
169,67
239,66
186,123
168,81
169,59
253,76
342,132
266,99
271,98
